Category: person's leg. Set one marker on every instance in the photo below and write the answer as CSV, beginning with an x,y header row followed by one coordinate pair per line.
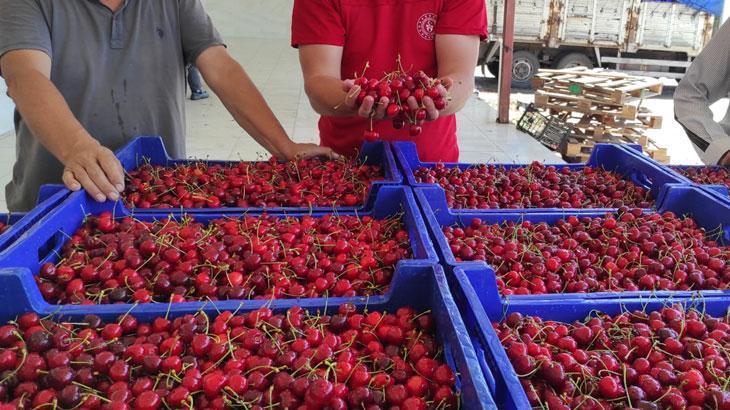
x,y
196,85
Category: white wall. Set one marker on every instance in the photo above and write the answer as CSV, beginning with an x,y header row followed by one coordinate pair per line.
x,y
252,18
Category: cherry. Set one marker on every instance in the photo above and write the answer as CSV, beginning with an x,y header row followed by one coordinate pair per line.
x,y
321,391
148,400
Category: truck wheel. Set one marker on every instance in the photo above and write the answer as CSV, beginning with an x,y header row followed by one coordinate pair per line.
x,y
572,60
493,68
524,66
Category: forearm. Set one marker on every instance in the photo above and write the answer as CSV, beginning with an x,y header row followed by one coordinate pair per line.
x,y
327,96
46,112
248,107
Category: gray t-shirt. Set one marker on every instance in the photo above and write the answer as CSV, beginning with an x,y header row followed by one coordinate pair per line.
x,y
122,74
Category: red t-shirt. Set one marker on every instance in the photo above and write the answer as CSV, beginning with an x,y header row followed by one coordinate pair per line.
x,y
376,31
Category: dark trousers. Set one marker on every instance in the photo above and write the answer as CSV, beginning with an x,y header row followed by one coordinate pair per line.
x,y
194,81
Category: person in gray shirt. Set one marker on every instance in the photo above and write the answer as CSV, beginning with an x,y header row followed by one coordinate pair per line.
x,y
88,75
707,80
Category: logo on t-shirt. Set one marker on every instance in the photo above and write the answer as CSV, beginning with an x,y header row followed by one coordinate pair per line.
x,y
427,26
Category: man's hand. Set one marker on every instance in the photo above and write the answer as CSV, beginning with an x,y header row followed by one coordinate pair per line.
x,y
365,109
95,168
305,151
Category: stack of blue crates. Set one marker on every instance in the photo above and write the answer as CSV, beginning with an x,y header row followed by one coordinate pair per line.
x,y
474,283
463,296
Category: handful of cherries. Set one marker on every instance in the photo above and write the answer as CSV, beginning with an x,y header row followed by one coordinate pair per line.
x,y
398,87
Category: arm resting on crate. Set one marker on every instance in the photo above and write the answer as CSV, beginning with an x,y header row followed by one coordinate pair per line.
x,y
706,81
229,81
86,162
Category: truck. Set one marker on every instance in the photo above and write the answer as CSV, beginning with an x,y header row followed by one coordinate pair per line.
x,y
650,38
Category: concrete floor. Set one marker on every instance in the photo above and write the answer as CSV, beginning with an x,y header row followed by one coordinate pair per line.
x,y
274,66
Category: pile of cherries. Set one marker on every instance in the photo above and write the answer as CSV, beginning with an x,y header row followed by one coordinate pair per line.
x,y
666,359
397,87
255,257
534,186
254,361
707,175
302,183
629,251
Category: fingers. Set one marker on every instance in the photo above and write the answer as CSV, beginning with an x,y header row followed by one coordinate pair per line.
x,y
412,103
443,91
351,99
381,107
366,107
99,177
80,175
113,169
431,112
70,181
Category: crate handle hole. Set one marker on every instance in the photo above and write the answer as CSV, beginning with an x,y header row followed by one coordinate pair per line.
x,y
640,179
52,247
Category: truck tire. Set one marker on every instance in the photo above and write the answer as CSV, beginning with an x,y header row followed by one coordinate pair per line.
x,y
524,67
572,60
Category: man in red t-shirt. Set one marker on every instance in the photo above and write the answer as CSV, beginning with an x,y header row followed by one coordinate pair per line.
x,y
337,38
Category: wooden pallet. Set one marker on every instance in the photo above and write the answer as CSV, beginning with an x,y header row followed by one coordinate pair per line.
x,y
558,103
578,148
597,84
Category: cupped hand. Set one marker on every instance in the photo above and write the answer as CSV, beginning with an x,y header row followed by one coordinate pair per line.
x,y
365,109
432,113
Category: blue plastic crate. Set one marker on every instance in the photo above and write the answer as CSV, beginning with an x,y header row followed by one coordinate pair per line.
x,y
151,150
478,316
43,242
421,285
703,206
22,222
622,159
